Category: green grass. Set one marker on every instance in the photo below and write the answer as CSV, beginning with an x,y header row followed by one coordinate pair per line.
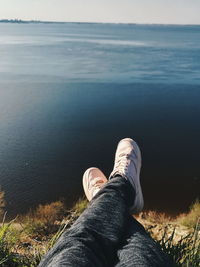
x,y
186,251
80,205
9,243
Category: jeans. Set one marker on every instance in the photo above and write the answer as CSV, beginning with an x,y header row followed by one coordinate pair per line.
x,y
106,235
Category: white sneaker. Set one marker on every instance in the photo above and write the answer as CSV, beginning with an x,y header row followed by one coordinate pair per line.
x,y
128,165
93,181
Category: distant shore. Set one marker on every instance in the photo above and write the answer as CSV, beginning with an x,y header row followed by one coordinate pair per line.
x,y
19,21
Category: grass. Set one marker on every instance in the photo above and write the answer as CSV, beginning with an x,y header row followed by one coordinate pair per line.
x,y
186,251
2,204
9,244
25,240
190,219
44,220
179,237
155,217
80,205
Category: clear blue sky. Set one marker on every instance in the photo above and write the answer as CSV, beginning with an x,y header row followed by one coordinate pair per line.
x,y
140,11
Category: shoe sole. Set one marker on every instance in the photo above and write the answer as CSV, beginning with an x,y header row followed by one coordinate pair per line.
x,y
139,200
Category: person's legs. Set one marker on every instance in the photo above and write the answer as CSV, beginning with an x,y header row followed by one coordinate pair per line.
x,y
140,250
94,238
106,225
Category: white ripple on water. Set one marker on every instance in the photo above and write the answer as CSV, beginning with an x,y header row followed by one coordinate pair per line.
x,y
108,41
40,40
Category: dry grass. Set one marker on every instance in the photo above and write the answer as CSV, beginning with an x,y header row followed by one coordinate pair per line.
x,y
155,217
48,213
44,220
192,217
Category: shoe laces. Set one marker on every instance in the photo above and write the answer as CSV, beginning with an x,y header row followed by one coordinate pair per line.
x,y
123,162
97,182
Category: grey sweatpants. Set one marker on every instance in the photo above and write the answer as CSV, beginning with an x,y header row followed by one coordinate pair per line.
x,y
106,235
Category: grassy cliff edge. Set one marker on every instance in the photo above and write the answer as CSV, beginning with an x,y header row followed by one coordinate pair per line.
x,y
26,239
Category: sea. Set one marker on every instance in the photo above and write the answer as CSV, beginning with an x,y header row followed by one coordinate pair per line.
x,y
70,91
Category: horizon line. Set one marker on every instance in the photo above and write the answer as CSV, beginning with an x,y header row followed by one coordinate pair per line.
x,y
93,22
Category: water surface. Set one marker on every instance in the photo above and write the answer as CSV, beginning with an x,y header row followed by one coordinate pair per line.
x,y
70,92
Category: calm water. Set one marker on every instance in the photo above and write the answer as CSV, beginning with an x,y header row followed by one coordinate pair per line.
x,y
70,92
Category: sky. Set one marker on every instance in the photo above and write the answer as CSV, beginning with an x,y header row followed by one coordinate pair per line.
x,y
117,11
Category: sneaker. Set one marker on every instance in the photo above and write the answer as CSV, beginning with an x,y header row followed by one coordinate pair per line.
x,y
128,164
93,181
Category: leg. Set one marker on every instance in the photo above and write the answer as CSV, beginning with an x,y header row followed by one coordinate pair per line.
x,y
140,250
94,238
